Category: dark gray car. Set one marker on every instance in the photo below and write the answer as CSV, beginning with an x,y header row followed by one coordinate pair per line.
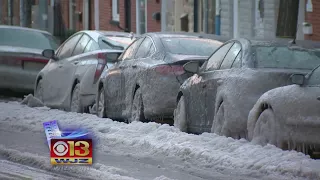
x,y
220,95
20,56
144,82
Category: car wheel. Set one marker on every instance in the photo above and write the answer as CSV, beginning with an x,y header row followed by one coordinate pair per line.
x,y
75,105
101,105
180,118
137,108
39,91
219,122
265,130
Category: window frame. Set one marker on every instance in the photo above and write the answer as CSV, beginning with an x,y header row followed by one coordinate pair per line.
x,y
115,7
134,52
64,43
84,34
149,55
235,42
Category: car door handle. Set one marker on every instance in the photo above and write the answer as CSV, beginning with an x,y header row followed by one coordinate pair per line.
x,y
204,85
60,66
318,98
134,66
76,62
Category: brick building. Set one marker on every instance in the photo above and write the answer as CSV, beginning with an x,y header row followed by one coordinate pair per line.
x,y
313,17
138,16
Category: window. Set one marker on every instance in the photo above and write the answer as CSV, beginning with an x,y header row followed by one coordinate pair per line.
x,y
129,53
314,78
115,10
91,46
68,46
215,60
145,48
230,57
286,57
81,45
190,45
237,61
114,42
27,38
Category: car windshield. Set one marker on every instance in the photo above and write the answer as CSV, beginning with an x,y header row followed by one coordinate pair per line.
x,y
286,57
27,39
190,45
115,41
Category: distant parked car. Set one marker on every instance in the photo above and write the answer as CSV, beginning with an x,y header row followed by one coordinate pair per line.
x,y
142,85
20,56
69,80
220,95
289,117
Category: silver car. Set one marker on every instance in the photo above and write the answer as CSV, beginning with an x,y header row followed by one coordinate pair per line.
x,y
20,56
69,80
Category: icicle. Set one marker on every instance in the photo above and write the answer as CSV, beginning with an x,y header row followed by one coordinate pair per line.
x,y
289,147
294,145
303,149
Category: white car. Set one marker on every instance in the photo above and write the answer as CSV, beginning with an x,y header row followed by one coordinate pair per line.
x,y
69,80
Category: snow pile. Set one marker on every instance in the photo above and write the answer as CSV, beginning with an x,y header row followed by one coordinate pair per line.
x,y
162,178
83,172
205,151
32,101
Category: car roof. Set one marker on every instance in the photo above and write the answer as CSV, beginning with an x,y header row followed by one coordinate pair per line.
x,y
307,44
188,34
23,28
95,34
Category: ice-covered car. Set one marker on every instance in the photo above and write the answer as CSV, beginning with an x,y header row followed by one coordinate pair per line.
x,y
289,117
142,85
220,95
69,80
20,56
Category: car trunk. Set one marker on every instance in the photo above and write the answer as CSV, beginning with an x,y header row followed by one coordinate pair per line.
x,y
22,58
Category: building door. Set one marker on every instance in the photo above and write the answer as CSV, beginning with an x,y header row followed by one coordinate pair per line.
x,y
141,8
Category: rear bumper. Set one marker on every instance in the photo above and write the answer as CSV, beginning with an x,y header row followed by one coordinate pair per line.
x,y
17,79
159,97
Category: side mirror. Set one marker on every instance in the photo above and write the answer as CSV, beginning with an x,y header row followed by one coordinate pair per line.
x,y
49,53
298,79
192,67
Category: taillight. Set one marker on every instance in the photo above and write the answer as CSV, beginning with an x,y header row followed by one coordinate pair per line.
x,y
100,66
170,70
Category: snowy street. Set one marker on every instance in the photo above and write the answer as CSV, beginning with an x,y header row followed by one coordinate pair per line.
x,y
139,151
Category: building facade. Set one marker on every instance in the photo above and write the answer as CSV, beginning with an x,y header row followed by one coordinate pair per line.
x,y
138,16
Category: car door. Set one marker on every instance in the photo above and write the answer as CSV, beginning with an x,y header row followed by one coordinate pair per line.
x,y
198,117
63,73
136,69
216,82
51,80
74,63
115,81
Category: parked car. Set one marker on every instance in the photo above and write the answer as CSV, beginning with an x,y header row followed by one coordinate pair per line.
x,y
20,56
220,95
70,78
289,117
142,85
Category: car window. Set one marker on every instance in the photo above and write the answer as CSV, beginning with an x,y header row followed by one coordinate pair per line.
x,y
145,49
286,57
190,45
81,45
130,51
237,61
68,47
27,38
215,60
91,46
314,78
231,56
112,42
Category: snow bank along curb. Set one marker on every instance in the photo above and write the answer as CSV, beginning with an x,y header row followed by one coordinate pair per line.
x,y
207,150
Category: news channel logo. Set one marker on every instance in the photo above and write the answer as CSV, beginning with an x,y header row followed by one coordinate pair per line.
x,y
68,147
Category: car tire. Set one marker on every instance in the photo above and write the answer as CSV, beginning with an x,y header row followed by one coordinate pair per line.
x,y
218,124
39,90
179,115
265,130
101,104
137,111
75,103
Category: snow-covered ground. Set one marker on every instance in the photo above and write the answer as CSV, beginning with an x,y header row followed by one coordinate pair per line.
x,y
139,151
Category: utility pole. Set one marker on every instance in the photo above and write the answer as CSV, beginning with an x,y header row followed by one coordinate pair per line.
x,y
10,12
1,4
43,15
22,13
